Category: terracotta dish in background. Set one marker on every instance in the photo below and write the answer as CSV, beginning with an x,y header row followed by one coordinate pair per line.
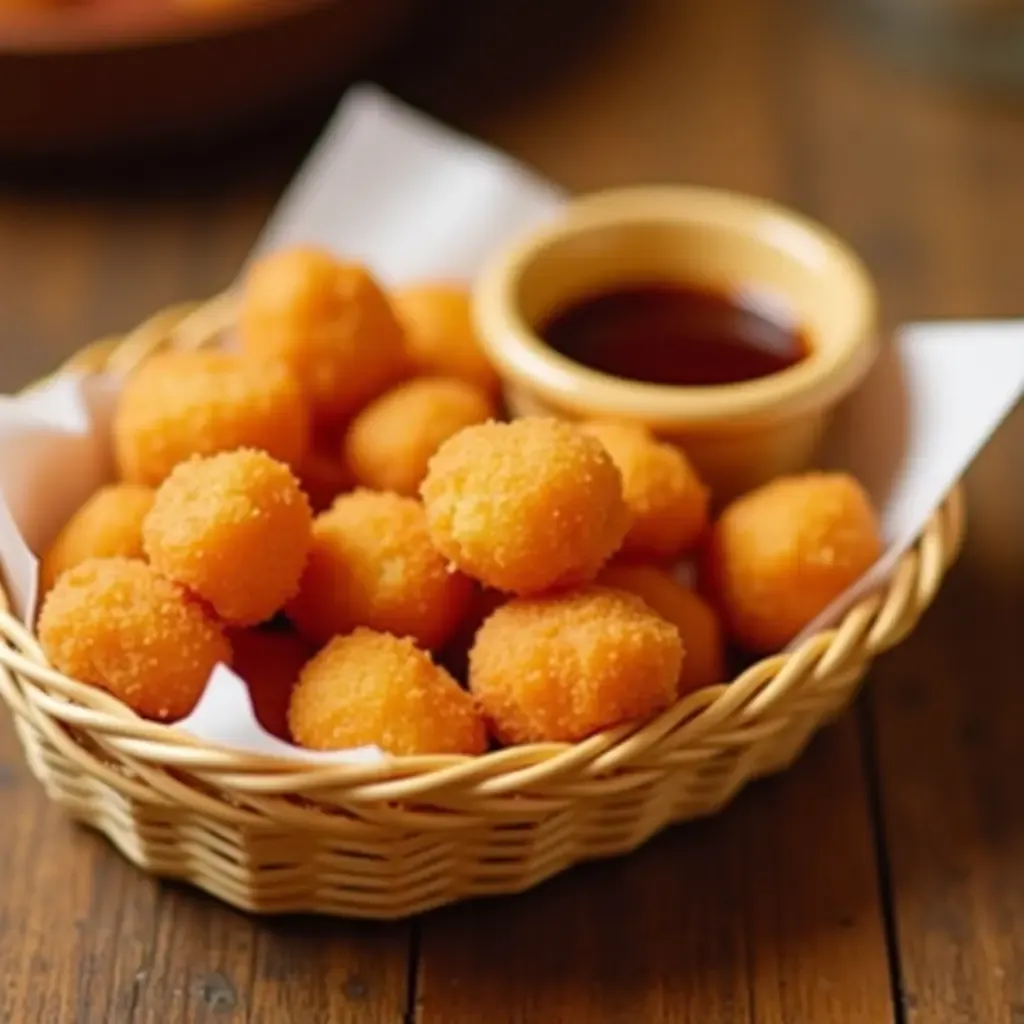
x,y
96,74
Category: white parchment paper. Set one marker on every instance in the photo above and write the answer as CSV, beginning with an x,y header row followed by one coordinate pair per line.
x,y
405,195
414,200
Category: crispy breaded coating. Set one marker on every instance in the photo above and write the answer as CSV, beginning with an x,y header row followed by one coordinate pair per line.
x,y
374,688
180,404
667,500
696,620
108,525
389,444
372,564
563,667
440,336
525,506
116,624
782,553
329,322
234,528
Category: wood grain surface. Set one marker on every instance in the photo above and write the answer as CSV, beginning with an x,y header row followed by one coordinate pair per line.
x,y
882,878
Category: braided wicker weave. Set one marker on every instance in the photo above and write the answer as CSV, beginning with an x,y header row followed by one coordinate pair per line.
x,y
392,839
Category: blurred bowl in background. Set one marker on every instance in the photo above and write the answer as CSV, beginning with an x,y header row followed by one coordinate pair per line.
x,y
105,74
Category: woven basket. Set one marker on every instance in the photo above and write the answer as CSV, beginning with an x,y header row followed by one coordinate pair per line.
x,y
393,839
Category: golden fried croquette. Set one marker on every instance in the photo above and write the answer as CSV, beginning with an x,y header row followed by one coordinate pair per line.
x,y
439,334
109,524
372,564
234,528
323,473
330,322
525,506
699,629
562,667
179,404
779,555
668,501
389,443
117,624
374,688
270,662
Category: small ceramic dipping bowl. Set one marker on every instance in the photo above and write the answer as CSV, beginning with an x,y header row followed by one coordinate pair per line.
x,y
740,434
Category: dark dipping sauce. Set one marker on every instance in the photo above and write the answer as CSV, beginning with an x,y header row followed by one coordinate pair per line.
x,y
674,334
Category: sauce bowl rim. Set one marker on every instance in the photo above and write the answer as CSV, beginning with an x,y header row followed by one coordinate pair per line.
x,y
526,360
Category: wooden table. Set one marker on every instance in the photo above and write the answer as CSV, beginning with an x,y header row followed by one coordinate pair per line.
x,y
882,878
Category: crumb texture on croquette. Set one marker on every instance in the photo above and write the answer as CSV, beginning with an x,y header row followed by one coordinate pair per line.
x,y
234,528
330,322
697,622
440,336
525,506
372,688
389,443
116,624
667,500
779,555
372,564
180,404
107,525
563,667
